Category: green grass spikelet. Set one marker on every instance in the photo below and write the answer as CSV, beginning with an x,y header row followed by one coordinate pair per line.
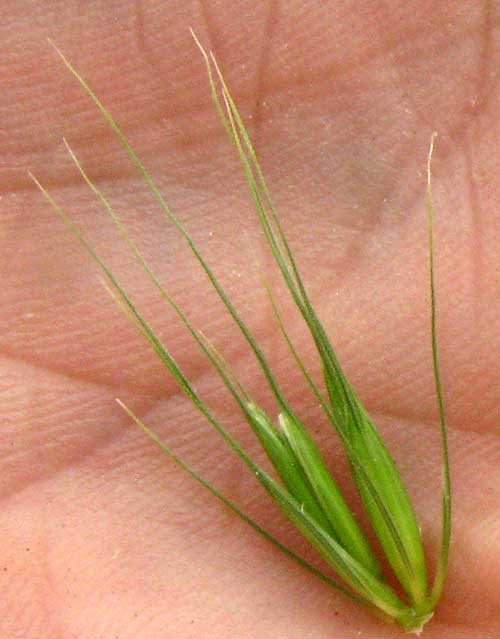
x,y
305,488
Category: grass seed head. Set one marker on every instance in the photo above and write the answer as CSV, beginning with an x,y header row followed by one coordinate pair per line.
x,y
306,491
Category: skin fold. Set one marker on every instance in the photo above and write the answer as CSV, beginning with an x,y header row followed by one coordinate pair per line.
x,y
102,536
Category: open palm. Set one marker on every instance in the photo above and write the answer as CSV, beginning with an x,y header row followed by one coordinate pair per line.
x,y
102,536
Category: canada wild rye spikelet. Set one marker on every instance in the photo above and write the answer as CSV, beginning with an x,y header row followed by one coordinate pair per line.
x,y
306,491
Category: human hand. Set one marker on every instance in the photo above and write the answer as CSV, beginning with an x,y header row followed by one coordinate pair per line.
x,y
342,106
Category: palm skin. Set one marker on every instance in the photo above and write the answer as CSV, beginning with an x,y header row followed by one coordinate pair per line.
x,y
102,535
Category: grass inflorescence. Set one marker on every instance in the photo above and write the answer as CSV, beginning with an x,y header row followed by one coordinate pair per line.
x,y
305,489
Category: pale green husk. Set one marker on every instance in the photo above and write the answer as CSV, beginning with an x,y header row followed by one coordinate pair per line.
x,y
307,492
